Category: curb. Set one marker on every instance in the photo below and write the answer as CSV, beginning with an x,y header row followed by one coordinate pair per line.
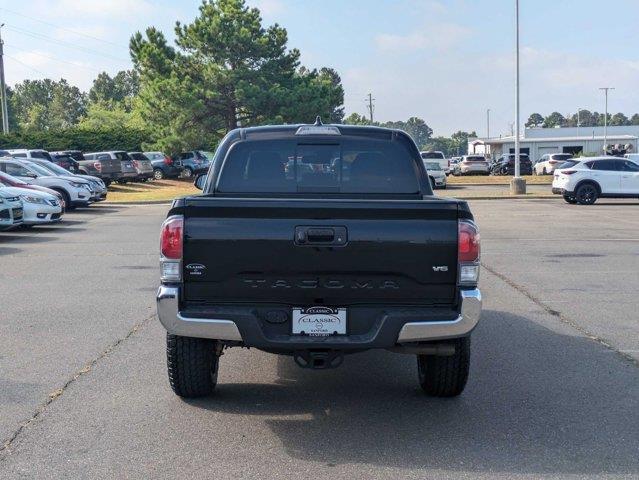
x,y
505,197
148,202
494,184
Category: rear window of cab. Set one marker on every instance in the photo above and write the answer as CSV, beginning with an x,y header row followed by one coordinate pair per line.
x,y
344,165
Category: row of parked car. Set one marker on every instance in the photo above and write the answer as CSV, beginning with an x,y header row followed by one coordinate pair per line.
x,y
118,165
38,186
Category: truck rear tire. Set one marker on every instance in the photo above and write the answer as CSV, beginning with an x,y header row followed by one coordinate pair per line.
x,y
192,365
445,376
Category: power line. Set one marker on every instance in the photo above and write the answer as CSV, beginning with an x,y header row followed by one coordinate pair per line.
x,y
25,65
40,36
62,28
56,59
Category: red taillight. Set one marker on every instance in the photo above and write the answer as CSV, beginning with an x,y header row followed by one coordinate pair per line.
x,y
98,166
568,172
171,237
168,160
468,246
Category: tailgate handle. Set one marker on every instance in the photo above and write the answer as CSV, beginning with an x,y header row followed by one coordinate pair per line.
x,y
320,235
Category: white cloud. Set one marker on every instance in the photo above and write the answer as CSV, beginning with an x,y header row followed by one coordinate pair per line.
x,y
40,63
442,36
95,31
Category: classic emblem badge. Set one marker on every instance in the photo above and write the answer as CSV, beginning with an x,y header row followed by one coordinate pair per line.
x,y
195,268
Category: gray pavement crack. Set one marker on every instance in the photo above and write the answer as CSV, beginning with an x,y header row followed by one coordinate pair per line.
x,y
5,448
561,317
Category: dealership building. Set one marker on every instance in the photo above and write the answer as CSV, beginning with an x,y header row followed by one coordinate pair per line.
x,y
538,141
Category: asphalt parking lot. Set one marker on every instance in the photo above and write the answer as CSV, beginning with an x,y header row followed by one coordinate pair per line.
x,y
553,392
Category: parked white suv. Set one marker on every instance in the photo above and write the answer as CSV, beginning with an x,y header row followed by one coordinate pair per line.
x,y
547,163
597,177
473,165
75,190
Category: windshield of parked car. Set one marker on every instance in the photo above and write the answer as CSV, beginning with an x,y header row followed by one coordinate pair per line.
x,y
345,165
41,154
40,170
54,168
568,164
432,155
138,156
432,166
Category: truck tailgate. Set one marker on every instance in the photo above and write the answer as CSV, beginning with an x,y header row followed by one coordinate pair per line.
x,y
395,252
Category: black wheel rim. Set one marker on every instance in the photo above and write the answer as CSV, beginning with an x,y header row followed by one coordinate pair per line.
x,y
587,194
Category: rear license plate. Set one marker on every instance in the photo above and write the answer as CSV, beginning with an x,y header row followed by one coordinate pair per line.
x,y
319,321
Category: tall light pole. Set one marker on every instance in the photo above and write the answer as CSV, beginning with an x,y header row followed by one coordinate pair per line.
x,y
3,90
517,184
606,89
486,152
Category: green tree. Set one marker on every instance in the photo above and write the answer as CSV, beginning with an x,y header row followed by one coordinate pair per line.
x,y
459,141
99,116
555,119
226,70
441,144
356,119
67,106
45,104
585,119
113,91
619,119
415,127
535,120
634,120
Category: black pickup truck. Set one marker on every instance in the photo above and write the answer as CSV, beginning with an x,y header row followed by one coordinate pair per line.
x,y
318,241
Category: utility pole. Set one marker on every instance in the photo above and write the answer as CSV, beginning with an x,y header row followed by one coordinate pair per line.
x,y
606,89
488,123
3,89
517,184
370,106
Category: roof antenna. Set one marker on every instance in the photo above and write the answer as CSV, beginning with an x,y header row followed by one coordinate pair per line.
x,y
318,121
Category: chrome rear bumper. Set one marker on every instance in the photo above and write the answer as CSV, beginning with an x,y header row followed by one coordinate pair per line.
x,y
460,327
167,303
222,329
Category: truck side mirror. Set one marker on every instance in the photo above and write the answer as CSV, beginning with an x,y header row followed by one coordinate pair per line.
x,y
200,180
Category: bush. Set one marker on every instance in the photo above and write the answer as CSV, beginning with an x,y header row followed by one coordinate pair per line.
x,y
86,140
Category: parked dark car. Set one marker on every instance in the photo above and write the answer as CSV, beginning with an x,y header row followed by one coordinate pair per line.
x,y
109,167
321,262
66,161
193,162
85,167
163,165
142,165
505,165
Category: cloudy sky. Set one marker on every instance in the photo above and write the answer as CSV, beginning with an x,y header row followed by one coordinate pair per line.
x,y
446,61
